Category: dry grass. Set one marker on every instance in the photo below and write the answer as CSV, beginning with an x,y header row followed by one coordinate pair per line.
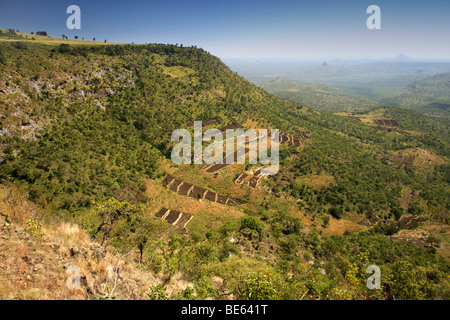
x,y
442,232
33,268
14,203
162,197
425,159
53,40
318,181
178,71
339,227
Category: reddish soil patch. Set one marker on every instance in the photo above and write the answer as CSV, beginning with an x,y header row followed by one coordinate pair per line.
x,y
210,195
304,134
161,213
406,222
240,178
197,192
289,139
190,190
216,167
417,237
231,126
222,199
168,179
379,128
174,186
253,182
184,189
207,122
404,133
184,220
386,122
174,217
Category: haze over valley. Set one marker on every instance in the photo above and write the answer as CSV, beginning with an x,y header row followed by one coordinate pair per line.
x,y
354,84
125,173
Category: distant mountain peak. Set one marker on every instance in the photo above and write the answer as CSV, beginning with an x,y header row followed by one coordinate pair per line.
x,y
402,57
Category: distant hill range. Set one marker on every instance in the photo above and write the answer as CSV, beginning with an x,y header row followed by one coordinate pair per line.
x,y
387,81
420,91
430,95
321,97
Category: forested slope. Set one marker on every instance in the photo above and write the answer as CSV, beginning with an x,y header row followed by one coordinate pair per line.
x,y
85,132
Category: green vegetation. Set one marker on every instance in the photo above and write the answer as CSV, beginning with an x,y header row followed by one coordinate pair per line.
x,y
259,287
430,95
34,228
320,97
84,127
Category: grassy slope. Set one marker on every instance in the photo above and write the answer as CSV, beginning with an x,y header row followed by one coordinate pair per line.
x,y
53,41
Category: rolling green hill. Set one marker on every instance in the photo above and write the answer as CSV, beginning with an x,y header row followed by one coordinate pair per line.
x,y
431,96
85,137
320,97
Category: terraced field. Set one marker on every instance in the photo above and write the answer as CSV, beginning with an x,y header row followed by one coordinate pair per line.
x,y
176,218
190,190
251,179
386,122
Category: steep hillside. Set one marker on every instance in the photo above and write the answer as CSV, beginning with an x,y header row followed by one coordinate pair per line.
x,y
39,254
85,135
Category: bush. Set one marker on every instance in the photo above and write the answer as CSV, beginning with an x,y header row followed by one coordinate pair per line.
x,y
34,228
228,227
336,212
157,292
386,229
126,225
433,240
415,209
397,212
408,283
20,45
63,48
2,58
326,221
251,223
259,286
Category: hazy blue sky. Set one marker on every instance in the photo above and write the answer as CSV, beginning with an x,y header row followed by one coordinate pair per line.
x,y
283,28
